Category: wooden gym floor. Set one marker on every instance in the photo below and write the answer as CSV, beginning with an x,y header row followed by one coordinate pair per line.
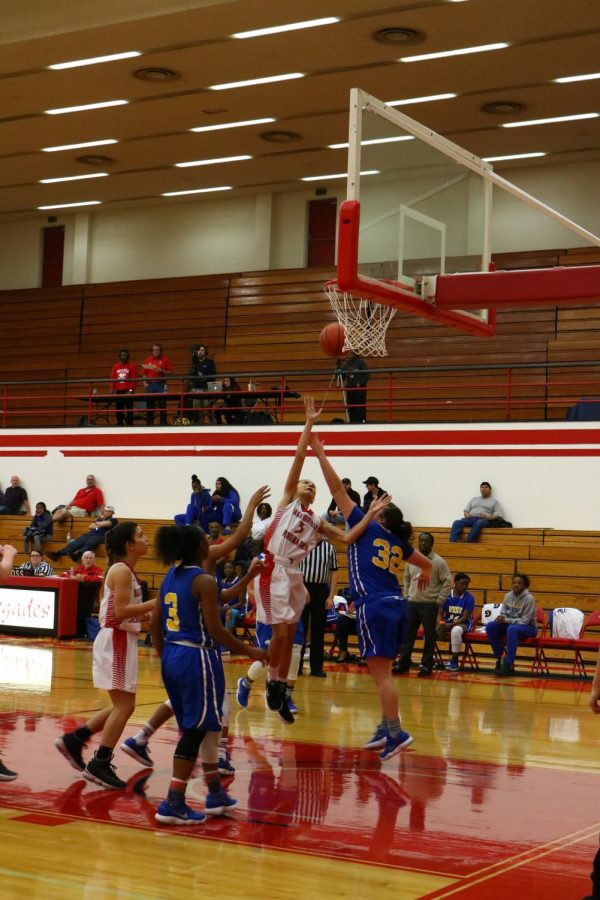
x,y
497,797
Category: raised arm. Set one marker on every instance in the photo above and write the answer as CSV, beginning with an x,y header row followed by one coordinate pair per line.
x,y
233,541
349,537
345,504
230,593
291,484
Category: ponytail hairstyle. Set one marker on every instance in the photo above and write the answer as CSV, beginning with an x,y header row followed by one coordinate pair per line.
x,y
185,544
393,520
117,540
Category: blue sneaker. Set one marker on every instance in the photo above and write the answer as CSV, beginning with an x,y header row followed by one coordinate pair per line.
x,y
395,745
137,751
181,814
378,740
218,804
225,767
292,706
453,667
242,693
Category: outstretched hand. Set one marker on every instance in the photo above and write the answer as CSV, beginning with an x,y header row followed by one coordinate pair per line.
x,y
423,582
380,503
309,405
256,566
260,495
316,443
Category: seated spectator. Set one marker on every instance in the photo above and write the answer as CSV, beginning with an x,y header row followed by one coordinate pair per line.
x,y
155,367
232,609
516,621
478,513
93,537
225,504
261,520
35,566
124,377
456,617
85,502
230,403
40,529
14,501
333,515
90,577
197,512
373,491
202,370
345,626
86,570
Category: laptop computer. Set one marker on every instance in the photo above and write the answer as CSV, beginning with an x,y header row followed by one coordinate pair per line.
x,y
214,386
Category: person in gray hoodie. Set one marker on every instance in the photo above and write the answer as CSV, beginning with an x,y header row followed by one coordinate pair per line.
x,y
516,621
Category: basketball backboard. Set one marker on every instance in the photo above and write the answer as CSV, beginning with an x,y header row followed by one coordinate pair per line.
x,y
417,229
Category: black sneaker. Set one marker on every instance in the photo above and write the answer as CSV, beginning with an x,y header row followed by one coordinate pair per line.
x,y
71,748
424,672
498,667
285,713
401,668
102,772
6,774
274,695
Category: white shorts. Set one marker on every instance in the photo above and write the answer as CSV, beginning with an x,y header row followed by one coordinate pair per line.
x,y
115,660
281,595
78,512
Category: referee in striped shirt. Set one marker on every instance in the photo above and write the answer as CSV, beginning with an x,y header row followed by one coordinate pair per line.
x,y
319,569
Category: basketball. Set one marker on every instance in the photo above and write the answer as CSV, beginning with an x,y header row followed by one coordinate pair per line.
x,y
331,339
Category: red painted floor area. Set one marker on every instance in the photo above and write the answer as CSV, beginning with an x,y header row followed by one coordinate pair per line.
x,y
498,829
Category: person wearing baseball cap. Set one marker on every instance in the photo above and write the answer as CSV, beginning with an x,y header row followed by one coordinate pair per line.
x,y
333,515
373,491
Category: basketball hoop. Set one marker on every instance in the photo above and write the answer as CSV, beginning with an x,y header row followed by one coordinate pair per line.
x,y
365,322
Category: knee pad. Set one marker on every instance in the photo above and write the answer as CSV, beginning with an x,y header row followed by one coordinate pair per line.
x,y
189,744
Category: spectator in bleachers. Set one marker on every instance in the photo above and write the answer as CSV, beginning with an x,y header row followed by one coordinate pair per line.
x,y
155,367
333,515
373,491
36,566
14,500
229,401
202,370
478,513
86,501
355,374
93,537
198,509
264,512
40,529
225,504
231,609
124,377
86,570
423,606
516,621
455,617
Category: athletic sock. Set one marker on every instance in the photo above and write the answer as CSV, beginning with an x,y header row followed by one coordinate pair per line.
x,y
177,789
82,734
273,673
144,734
213,783
393,727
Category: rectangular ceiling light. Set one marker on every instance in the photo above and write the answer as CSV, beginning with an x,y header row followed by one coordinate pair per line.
x,y
211,162
463,51
428,99
252,81
338,175
570,78
225,125
512,156
293,26
69,205
94,60
71,109
225,187
371,141
549,121
79,146
74,178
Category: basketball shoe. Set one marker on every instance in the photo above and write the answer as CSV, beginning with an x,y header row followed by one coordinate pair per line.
x,y
219,803
395,744
178,814
137,751
71,748
378,740
102,772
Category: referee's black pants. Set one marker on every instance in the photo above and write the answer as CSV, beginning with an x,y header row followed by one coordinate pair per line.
x,y
315,613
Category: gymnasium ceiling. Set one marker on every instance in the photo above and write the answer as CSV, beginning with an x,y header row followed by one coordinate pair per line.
x,y
547,39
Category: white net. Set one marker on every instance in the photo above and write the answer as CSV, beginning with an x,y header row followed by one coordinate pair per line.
x,y
365,322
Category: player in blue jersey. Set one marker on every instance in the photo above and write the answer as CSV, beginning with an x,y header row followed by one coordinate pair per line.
x,y
456,617
187,632
374,567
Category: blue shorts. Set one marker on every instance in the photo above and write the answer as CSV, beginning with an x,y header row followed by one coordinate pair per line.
x,y
195,683
264,633
381,625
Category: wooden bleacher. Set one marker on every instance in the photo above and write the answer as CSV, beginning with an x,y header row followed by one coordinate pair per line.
x,y
270,322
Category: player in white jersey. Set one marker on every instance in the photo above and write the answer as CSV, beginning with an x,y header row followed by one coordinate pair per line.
x,y
114,657
289,538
